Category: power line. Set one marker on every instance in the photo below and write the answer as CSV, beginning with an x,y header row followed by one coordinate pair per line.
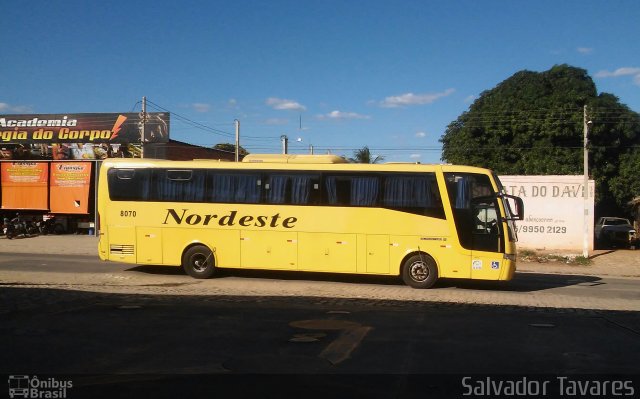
x,y
207,128
191,122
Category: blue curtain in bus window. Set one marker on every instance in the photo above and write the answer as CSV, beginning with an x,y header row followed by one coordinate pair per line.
x,y
332,194
223,189
300,186
407,192
393,192
463,193
248,190
142,182
185,186
364,191
277,189
193,191
422,192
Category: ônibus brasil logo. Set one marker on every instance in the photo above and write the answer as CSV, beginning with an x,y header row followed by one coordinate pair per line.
x,y
23,386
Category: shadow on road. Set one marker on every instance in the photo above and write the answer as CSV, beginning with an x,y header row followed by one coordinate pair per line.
x,y
522,282
128,345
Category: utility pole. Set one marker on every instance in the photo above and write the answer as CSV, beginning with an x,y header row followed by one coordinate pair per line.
x,y
143,122
585,168
285,143
237,140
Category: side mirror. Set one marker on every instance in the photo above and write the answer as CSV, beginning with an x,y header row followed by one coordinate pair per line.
x,y
518,209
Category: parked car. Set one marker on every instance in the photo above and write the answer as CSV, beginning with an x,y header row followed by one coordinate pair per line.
x,y
615,232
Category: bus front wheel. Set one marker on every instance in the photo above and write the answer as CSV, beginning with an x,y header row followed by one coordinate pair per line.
x,y
198,262
420,271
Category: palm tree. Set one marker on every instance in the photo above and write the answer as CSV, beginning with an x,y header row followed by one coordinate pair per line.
x,y
363,155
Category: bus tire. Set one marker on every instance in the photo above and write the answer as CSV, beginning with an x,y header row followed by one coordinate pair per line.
x,y
198,262
420,271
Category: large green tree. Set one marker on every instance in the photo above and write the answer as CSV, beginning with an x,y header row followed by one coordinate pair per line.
x,y
532,123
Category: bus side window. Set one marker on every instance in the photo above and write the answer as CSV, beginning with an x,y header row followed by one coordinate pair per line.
x,y
474,210
181,185
226,186
291,189
129,184
352,190
364,191
417,194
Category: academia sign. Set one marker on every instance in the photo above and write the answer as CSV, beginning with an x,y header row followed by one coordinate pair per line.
x,y
84,128
554,211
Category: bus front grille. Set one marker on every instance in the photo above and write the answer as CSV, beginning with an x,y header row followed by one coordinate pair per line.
x,y
121,249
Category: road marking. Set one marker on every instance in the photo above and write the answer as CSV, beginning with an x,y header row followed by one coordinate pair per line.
x,y
341,348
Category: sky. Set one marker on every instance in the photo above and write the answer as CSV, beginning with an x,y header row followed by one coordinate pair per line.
x,y
335,75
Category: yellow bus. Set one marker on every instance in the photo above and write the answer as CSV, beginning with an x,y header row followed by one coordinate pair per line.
x,y
314,213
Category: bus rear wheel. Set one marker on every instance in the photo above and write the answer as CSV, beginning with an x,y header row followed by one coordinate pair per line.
x,y
420,271
198,262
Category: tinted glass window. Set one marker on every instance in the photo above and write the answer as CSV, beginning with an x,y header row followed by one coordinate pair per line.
x,y
417,193
475,211
178,185
233,187
343,190
129,184
294,189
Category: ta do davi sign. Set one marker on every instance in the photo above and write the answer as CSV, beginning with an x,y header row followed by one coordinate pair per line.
x,y
554,212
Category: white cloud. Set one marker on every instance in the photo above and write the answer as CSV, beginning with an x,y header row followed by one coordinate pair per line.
x,y
343,115
624,71
18,109
284,104
408,99
415,156
201,107
421,135
585,50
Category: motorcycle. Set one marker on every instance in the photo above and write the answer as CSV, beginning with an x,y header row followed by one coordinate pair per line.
x,y
31,227
50,226
16,227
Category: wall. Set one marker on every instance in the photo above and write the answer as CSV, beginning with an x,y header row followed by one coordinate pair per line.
x,y
554,212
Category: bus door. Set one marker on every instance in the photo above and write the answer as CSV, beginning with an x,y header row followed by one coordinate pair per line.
x,y
487,244
475,213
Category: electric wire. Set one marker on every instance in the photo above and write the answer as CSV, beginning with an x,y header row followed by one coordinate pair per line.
x,y
487,120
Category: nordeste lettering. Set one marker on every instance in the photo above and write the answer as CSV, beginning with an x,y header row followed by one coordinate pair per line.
x,y
184,217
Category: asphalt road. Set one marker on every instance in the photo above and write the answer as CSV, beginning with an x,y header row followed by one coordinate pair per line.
x,y
119,330
551,290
